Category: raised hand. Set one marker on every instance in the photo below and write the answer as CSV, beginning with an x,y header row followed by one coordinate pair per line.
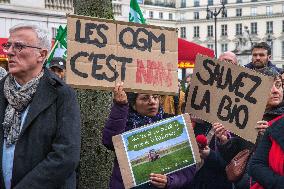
x,y
158,180
120,96
220,132
261,126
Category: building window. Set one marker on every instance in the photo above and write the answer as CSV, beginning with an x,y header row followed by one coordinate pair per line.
x,y
196,31
282,8
239,12
253,28
224,47
210,31
170,16
210,46
239,1
269,27
282,49
196,3
183,3
151,14
268,10
224,30
210,2
224,15
196,15
283,26
239,28
54,32
182,16
183,32
161,15
253,11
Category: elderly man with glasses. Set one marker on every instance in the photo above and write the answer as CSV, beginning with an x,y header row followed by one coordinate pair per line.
x,y
39,117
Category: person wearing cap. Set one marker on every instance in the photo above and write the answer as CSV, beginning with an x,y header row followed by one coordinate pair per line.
x,y
58,66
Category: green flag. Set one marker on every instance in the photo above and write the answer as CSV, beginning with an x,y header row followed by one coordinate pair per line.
x,y
135,14
60,46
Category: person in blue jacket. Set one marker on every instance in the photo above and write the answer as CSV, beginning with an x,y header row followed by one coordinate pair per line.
x,y
261,55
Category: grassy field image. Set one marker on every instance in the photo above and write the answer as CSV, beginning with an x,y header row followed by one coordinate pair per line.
x,y
162,147
171,159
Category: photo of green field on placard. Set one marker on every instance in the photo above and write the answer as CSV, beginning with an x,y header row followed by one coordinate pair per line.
x,y
160,148
169,162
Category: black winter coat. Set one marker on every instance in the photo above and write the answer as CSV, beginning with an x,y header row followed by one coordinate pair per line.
x,y
48,149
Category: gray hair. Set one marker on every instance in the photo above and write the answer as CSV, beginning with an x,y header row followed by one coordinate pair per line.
x,y
42,35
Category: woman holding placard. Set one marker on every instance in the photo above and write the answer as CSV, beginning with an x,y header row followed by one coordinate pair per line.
x,y
131,111
230,147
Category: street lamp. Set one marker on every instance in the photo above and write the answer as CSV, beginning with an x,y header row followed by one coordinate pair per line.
x,y
269,41
215,13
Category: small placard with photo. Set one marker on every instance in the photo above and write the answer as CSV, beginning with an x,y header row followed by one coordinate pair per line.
x,y
163,147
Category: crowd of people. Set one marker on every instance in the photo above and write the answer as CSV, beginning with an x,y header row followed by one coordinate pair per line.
x,y
40,142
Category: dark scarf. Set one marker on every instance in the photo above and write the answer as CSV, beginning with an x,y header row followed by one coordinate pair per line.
x,y
269,64
18,100
274,112
136,120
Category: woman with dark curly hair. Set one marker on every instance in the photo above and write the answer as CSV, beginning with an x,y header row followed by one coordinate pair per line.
x,y
131,111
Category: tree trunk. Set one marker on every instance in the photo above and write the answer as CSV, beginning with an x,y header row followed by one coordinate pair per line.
x,y
96,161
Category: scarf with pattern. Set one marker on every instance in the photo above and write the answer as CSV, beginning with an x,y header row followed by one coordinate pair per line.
x,y
18,100
136,120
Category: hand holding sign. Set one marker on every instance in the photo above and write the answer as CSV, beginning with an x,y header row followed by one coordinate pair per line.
x,y
120,96
158,180
261,126
220,132
204,153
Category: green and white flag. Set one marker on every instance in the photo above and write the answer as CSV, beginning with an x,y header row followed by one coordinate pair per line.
x,y
60,46
135,14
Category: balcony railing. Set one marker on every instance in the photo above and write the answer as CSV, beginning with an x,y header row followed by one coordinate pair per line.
x,y
117,9
160,4
4,1
64,5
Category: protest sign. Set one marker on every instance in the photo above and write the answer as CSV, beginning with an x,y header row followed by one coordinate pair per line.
x,y
229,94
163,147
102,52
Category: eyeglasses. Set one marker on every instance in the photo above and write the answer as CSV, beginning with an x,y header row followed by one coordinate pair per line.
x,y
229,61
278,84
147,98
17,46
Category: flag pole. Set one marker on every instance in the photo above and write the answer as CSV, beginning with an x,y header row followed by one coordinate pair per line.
x,y
55,44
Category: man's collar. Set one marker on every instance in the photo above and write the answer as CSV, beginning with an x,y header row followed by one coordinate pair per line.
x,y
17,84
